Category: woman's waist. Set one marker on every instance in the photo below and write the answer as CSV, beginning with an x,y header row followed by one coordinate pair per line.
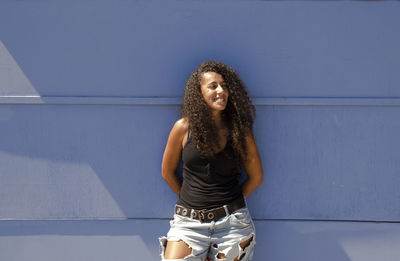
x,y
192,198
212,214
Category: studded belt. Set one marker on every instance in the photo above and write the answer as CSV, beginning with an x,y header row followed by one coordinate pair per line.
x,y
208,215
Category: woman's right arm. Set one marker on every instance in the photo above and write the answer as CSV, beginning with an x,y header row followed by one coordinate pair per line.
x,y
172,154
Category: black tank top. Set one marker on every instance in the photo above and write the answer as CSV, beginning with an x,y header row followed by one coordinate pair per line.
x,y
208,183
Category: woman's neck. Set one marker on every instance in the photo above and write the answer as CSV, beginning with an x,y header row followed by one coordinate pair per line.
x,y
218,119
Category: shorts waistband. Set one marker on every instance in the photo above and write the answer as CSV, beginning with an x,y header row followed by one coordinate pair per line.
x,y
208,215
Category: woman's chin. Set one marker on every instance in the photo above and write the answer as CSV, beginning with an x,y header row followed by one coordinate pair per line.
x,y
219,108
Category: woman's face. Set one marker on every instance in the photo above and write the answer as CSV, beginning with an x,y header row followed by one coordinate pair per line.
x,y
214,90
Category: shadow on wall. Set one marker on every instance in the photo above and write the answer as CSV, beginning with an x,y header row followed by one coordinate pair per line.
x,y
84,161
276,240
79,161
12,78
80,239
284,242
328,241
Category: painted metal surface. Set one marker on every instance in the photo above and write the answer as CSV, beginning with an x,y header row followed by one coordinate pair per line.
x,y
320,162
90,89
148,48
137,240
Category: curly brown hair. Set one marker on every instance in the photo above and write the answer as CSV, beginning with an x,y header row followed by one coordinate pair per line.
x,y
238,115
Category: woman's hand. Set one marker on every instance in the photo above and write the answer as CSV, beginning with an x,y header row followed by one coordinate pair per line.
x,y
253,167
172,154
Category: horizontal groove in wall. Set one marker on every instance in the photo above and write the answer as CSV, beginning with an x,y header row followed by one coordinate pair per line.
x,y
149,219
259,101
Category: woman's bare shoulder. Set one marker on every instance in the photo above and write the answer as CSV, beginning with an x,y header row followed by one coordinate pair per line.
x,y
182,124
181,127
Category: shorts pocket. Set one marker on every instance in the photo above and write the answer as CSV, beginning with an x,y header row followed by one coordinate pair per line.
x,y
178,220
241,217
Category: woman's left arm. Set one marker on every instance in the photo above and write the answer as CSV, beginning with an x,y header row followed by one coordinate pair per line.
x,y
253,167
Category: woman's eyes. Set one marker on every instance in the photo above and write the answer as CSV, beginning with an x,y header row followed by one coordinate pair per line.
x,y
214,86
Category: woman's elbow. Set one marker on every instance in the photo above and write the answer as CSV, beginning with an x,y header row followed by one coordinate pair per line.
x,y
259,180
166,174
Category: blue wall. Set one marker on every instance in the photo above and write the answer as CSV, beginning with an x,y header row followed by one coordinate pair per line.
x,y
89,91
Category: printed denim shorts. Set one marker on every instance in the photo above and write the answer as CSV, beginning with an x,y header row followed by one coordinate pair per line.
x,y
215,239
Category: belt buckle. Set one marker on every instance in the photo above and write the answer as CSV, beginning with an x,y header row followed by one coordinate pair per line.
x,y
201,214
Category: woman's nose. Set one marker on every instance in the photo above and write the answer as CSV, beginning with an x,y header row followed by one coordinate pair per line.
x,y
220,89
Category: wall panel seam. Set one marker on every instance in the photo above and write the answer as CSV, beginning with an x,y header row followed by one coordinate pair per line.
x,y
167,219
163,101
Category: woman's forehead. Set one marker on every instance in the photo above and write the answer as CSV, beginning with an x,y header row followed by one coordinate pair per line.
x,y
208,77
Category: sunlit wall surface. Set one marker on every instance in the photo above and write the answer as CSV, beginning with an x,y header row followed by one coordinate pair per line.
x,y
89,91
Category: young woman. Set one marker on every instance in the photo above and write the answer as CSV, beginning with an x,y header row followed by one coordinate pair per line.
x,y
214,137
